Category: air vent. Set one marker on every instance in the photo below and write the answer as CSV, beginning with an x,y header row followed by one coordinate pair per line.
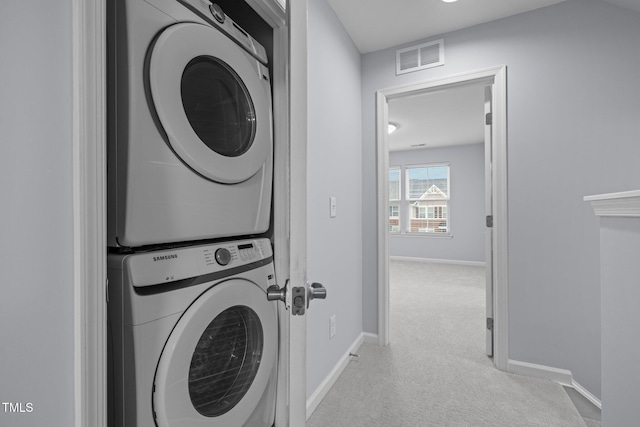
x,y
419,57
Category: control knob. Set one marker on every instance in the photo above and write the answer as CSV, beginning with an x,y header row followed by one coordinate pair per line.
x,y
217,13
223,256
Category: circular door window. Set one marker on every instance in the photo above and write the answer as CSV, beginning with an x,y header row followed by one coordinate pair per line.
x,y
225,361
218,106
212,102
219,358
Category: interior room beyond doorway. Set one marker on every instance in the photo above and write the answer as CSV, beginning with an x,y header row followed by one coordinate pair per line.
x,y
490,125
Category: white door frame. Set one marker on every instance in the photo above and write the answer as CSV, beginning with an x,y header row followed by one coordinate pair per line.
x,y
89,207
497,76
89,197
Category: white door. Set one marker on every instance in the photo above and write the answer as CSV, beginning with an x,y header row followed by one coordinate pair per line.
x,y
297,10
290,217
489,214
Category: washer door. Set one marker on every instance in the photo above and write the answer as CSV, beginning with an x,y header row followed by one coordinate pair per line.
x,y
218,359
212,101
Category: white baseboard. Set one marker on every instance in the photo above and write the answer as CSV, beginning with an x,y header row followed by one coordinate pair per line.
x,y
560,376
370,338
586,393
314,400
438,261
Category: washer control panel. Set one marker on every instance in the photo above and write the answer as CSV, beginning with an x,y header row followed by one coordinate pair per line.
x,y
235,254
157,267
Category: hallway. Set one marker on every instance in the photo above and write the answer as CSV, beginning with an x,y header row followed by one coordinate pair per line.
x,y
435,372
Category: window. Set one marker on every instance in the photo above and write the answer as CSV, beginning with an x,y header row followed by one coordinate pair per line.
x,y
394,199
424,205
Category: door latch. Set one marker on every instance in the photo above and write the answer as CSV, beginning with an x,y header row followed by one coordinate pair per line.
x,y
298,301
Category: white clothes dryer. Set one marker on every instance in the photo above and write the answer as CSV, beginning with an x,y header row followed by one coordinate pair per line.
x,y
193,338
189,125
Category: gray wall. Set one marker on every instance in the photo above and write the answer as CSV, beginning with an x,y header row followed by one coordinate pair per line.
x,y
573,130
466,207
36,265
334,169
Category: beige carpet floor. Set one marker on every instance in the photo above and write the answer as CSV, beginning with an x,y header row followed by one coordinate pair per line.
x,y
435,372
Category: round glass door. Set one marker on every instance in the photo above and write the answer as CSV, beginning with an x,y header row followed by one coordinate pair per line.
x,y
212,101
225,361
219,358
218,106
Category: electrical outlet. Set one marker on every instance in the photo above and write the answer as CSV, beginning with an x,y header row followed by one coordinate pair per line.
x,y
332,326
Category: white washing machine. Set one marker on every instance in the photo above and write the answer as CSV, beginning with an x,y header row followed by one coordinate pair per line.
x,y
193,340
189,125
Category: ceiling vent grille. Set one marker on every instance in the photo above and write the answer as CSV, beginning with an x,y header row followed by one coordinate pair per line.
x,y
419,57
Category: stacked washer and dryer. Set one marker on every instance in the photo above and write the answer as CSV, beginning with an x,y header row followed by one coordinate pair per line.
x,y
192,337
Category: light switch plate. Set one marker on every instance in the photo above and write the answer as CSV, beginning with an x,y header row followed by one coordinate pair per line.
x,y
332,207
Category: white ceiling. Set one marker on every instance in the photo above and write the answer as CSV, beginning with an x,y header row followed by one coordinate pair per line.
x,y
379,24
452,117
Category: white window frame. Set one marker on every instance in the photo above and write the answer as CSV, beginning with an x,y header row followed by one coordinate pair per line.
x,y
406,212
396,229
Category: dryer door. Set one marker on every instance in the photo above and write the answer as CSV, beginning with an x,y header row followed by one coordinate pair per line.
x,y
218,360
213,101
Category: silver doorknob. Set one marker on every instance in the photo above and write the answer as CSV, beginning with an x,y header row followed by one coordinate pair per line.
x,y
275,293
316,291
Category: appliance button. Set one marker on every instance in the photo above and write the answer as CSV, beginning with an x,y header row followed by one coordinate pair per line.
x,y
217,13
223,256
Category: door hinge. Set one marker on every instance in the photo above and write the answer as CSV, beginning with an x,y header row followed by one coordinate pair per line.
x,y
489,323
488,119
489,220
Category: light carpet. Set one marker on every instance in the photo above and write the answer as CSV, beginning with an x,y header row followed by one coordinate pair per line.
x,y
435,372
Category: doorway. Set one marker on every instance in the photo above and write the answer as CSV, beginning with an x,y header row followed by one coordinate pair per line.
x,y
495,164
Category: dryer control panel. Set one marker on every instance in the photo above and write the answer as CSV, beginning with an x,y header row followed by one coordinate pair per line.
x,y
214,15
170,265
